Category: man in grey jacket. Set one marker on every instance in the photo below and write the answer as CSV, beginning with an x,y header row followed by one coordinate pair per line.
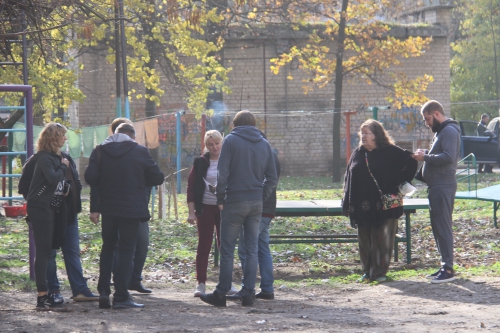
x,y
438,172
246,177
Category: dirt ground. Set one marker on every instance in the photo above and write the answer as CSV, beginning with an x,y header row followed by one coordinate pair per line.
x,y
398,306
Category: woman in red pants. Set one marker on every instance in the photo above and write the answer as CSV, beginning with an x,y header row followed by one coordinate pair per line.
x,y
202,203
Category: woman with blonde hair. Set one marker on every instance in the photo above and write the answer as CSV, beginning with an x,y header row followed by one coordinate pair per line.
x,y
202,203
376,169
44,199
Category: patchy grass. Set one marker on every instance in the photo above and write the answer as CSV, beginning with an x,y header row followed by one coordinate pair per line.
x,y
15,281
173,243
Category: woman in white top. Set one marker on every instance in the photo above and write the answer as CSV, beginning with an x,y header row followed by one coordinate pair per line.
x,y
202,203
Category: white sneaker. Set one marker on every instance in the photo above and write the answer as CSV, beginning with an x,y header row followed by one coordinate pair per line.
x,y
232,291
200,289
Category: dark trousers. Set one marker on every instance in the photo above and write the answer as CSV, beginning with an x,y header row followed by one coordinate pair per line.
x,y
42,224
126,228
206,222
140,254
375,247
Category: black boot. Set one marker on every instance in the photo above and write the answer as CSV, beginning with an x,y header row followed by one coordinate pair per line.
x,y
139,288
247,297
214,299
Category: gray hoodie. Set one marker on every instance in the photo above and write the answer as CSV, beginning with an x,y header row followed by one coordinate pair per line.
x,y
440,164
246,163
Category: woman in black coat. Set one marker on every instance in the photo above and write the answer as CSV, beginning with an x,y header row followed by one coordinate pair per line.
x,y
376,166
49,172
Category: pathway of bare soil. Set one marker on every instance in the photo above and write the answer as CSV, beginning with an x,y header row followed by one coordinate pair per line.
x,y
397,306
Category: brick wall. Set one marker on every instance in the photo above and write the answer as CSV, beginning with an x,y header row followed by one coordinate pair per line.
x,y
304,139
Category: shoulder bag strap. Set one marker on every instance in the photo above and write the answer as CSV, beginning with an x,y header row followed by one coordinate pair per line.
x,y
368,166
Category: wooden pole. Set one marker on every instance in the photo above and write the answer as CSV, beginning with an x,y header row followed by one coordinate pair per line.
x,y
160,201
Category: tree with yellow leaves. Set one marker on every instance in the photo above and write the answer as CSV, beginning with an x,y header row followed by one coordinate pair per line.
x,y
347,40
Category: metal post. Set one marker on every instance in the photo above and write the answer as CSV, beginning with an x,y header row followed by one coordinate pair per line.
x,y
375,109
179,149
10,142
124,60
203,131
153,197
117,62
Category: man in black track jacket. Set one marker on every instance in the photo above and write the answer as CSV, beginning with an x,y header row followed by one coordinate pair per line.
x,y
123,170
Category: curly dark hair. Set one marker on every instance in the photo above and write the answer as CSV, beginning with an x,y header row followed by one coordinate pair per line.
x,y
382,137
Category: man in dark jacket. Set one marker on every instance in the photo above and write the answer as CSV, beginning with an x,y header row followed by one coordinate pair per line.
x,y
123,170
142,243
246,177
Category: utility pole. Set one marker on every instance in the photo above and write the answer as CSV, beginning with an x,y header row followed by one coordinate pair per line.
x,y
124,59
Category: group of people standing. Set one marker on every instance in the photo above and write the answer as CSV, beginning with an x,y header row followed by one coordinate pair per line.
x,y
231,189
121,173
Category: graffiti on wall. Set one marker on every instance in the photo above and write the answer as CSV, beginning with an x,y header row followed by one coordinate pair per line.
x,y
404,124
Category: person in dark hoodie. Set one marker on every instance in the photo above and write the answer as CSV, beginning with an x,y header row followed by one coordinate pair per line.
x,y
264,253
438,172
246,177
48,176
123,170
142,243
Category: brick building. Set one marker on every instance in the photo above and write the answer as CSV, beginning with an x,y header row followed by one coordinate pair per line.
x,y
298,125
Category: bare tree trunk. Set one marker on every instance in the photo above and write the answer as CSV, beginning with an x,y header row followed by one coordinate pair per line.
x,y
338,94
495,59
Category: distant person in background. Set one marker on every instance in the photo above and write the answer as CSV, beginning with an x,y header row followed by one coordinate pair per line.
x,y
377,167
481,128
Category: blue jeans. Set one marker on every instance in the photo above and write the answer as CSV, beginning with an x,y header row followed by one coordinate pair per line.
x,y
112,226
71,253
234,216
140,255
264,255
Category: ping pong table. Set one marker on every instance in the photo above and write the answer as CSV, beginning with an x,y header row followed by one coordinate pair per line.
x,y
490,193
333,208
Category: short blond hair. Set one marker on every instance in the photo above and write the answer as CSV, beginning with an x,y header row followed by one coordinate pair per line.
x,y
212,134
51,138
